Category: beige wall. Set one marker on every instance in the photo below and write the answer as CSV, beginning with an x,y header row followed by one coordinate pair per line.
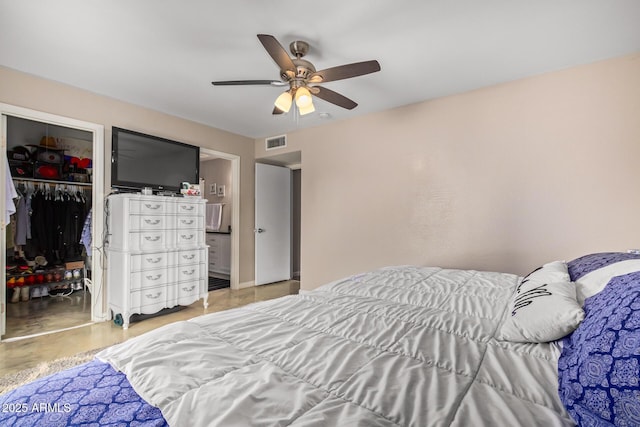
x,y
218,171
504,178
43,95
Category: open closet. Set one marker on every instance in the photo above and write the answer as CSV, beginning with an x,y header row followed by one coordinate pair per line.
x,y
48,239
216,179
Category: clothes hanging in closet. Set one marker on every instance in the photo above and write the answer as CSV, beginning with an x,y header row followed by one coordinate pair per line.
x,y
57,218
23,222
10,194
85,236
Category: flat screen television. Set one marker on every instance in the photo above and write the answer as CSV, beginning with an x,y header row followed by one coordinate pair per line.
x,y
139,160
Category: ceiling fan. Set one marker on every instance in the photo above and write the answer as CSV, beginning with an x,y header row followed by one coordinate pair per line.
x,y
299,74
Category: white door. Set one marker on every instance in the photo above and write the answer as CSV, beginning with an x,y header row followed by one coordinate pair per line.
x,y
273,224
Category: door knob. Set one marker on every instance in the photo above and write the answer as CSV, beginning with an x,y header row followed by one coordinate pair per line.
x,y
259,230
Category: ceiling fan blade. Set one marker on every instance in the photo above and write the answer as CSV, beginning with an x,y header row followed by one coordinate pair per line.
x,y
249,82
344,71
333,97
277,111
277,52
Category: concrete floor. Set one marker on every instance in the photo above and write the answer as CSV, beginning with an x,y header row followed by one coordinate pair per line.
x,y
35,316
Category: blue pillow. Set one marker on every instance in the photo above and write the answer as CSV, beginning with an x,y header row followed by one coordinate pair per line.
x,y
591,273
599,367
588,263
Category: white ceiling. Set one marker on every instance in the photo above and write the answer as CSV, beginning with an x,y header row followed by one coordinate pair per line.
x,y
163,54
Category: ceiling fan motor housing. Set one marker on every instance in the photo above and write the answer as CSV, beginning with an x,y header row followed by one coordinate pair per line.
x,y
303,69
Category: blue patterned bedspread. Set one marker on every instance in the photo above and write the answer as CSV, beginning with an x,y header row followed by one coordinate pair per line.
x,y
599,368
89,394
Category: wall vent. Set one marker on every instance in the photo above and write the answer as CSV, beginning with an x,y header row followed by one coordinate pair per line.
x,y
276,142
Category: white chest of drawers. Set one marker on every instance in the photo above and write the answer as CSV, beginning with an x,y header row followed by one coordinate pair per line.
x,y
157,254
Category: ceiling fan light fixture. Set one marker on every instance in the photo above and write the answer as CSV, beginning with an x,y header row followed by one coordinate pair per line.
x,y
283,102
303,97
307,109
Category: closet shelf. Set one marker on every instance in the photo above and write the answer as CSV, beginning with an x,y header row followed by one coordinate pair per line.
x,y
51,181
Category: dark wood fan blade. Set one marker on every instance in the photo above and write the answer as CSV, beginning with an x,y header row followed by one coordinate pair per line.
x,y
333,97
344,71
248,82
277,111
277,52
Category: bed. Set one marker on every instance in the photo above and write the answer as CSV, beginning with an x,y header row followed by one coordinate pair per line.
x,y
398,346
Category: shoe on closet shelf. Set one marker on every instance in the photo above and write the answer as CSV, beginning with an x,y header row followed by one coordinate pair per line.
x,y
35,292
24,293
16,295
61,291
44,291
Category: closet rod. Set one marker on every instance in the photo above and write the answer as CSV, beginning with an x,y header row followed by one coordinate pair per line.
x,y
52,182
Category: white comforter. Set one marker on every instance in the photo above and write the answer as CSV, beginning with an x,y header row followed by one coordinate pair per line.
x,y
400,346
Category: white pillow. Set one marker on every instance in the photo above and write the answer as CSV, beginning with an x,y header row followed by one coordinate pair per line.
x,y
544,306
595,281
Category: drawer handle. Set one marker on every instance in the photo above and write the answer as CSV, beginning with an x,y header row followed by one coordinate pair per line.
x,y
156,277
186,208
154,261
189,289
152,239
152,222
185,222
189,237
152,296
188,273
192,256
150,206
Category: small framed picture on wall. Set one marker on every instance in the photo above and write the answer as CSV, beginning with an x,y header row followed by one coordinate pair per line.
x,y
212,189
221,190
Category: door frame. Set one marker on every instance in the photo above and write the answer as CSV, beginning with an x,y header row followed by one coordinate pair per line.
x,y
98,294
234,277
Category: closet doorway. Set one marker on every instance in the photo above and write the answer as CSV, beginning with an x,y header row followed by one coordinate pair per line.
x,y
51,245
219,179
